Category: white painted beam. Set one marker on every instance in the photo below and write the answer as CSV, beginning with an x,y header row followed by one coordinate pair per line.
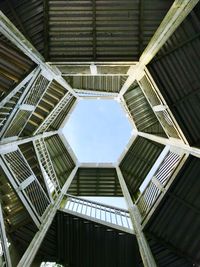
x,y
144,248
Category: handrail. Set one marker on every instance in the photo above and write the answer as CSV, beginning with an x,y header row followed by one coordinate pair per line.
x,y
101,213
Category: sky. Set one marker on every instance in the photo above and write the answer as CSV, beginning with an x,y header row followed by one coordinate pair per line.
x,y
98,130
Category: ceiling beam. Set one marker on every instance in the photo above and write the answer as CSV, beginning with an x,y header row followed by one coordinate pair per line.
x,y
8,29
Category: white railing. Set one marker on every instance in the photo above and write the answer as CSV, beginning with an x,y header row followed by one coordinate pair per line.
x,y
54,113
158,183
47,167
105,214
26,105
27,183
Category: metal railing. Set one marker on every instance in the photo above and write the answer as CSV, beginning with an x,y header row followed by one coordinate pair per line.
x,y
105,214
158,183
54,113
47,167
37,91
27,183
26,104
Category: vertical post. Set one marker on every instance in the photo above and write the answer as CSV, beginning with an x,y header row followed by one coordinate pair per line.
x,y
144,248
4,240
33,247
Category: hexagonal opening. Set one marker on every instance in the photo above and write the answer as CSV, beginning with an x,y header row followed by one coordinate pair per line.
x,y
98,130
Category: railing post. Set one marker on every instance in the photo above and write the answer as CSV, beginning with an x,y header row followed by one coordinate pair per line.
x,y
144,248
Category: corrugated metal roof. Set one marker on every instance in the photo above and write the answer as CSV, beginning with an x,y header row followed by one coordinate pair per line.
x,y
60,157
99,83
141,111
14,66
138,161
176,221
87,30
176,72
88,244
95,182
28,17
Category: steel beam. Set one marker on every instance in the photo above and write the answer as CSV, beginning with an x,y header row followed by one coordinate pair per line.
x,y
8,144
144,248
174,143
8,29
33,247
176,14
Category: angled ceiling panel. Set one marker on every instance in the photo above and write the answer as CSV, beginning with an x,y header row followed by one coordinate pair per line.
x,y
95,182
141,111
176,72
138,161
14,66
28,17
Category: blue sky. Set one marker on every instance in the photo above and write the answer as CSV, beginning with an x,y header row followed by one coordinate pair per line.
x,y
98,130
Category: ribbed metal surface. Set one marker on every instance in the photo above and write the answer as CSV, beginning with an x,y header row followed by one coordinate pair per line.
x,y
165,257
14,66
61,159
87,244
175,223
95,182
138,161
99,83
28,17
141,111
176,72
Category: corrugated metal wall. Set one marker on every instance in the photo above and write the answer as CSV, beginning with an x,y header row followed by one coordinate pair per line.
x,y
95,182
138,161
74,241
176,72
176,222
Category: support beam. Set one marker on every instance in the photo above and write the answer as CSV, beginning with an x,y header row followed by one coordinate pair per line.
x,y
173,143
8,29
33,247
8,144
177,13
144,248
